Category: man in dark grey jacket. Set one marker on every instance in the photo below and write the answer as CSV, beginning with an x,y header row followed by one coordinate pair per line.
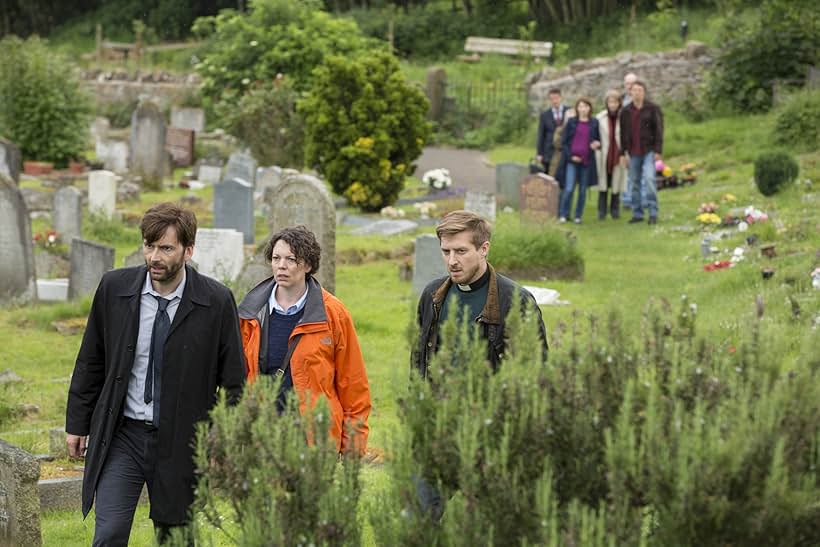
x,y
472,285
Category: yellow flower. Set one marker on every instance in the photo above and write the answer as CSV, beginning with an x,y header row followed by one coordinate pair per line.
x,y
708,218
364,142
667,171
729,197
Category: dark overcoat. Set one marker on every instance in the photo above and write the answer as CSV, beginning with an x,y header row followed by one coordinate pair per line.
x,y
203,353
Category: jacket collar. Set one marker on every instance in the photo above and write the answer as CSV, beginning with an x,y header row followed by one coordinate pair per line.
x,y
492,309
255,303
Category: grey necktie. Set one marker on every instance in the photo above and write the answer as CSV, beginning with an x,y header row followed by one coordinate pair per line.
x,y
162,324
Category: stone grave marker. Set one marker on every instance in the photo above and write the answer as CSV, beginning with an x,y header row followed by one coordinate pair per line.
x,y
427,262
180,144
188,118
386,227
19,498
268,177
10,160
482,203
148,156
233,207
16,252
113,154
102,192
67,214
210,174
219,253
241,166
508,179
89,261
539,197
256,269
99,128
304,199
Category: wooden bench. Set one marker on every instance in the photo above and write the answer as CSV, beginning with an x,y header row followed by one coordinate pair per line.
x,y
504,46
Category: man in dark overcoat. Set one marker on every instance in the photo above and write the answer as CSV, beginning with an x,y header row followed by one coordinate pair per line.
x,y
549,120
160,342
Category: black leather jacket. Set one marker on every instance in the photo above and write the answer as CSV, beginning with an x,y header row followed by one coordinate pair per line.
x,y
500,295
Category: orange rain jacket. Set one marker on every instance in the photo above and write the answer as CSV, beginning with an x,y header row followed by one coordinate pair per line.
x,y
327,358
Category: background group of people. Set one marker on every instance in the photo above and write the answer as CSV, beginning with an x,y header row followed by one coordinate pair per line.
x,y
615,151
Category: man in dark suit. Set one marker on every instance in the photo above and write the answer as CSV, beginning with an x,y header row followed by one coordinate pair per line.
x,y
160,341
548,122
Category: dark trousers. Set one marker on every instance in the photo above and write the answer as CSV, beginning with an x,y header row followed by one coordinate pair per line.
x,y
130,465
615,200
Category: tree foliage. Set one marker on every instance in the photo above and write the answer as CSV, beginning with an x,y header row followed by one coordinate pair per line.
x,y
365,125
43,107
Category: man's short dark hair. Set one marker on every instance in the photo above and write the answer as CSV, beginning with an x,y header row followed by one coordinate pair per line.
x,y
640,83
302,243
554,91
456,222
156,220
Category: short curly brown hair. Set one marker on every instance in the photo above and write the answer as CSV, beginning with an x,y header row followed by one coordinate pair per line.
x,y
302,243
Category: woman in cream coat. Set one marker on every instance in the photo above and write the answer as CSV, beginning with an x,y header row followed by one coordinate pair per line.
x,y
611,175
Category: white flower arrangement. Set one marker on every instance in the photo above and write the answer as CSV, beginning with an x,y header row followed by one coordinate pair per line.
x,y
425,208
438,179
392,212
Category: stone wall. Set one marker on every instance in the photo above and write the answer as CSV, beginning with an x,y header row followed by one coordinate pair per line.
x,y
668,75
120,86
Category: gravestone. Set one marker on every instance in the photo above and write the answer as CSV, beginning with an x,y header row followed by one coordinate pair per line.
x,y
99,128
113,154
241,166
386,227
481,203
304,199
148,156
67,214
539,197
233,207
219,253
427,262
102,193
16,252
10,160
436,91
19,498
52,290
209,174
180,144
137,258
508,179
89,261
188,118
268,177
256,269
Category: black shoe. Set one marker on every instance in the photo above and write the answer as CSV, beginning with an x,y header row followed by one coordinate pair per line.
x,y
635,220
653,220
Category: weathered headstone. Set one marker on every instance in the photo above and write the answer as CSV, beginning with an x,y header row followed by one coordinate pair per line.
x,y
508,179
52,290
137,258
241,166
89,261
481,203
436,91
539,197
67,214
427,264
188,118
99,128
386,227
233,207
257,268
219,253
268,177
113,154
303,199
10,160
209,174
16,252
19,499
148,156
102,193
180,144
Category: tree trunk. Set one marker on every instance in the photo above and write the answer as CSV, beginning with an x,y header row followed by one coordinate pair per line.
x,y
468,7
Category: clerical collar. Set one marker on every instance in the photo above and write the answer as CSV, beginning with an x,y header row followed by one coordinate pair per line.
x,y
475,285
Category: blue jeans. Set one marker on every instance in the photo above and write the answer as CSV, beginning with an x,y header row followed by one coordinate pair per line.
x,y
642,177
574,171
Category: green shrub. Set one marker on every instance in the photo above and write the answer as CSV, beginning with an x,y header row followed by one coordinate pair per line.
x,y
266,121
527,251
773,170
509,124
257,469
365,125
796,123
43,106
99,227
118,112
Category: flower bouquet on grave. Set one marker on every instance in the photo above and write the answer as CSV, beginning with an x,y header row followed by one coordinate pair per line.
x,y
437,179
687,174
50,242
663,176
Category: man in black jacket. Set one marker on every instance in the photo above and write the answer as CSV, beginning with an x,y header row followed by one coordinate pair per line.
x,y
550,120
160,341
472,285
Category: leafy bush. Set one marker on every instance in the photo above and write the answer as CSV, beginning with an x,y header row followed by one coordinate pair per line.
x,y
365,125
118,112
266,121
99,227
509,124
773,170
279,489
43,106
529,252
796,123
778,44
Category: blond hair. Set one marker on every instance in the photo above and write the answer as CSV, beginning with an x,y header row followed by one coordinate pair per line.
x,y
456,222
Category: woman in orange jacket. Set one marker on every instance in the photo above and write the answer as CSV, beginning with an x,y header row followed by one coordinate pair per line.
x,y
294,328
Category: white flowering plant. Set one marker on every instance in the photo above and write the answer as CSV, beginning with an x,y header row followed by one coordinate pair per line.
x,y
438,179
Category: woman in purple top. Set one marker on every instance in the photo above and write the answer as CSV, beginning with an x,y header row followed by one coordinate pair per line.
x,y
581,137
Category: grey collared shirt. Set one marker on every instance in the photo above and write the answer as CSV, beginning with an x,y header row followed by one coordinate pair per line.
x,y
273,305
135,406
